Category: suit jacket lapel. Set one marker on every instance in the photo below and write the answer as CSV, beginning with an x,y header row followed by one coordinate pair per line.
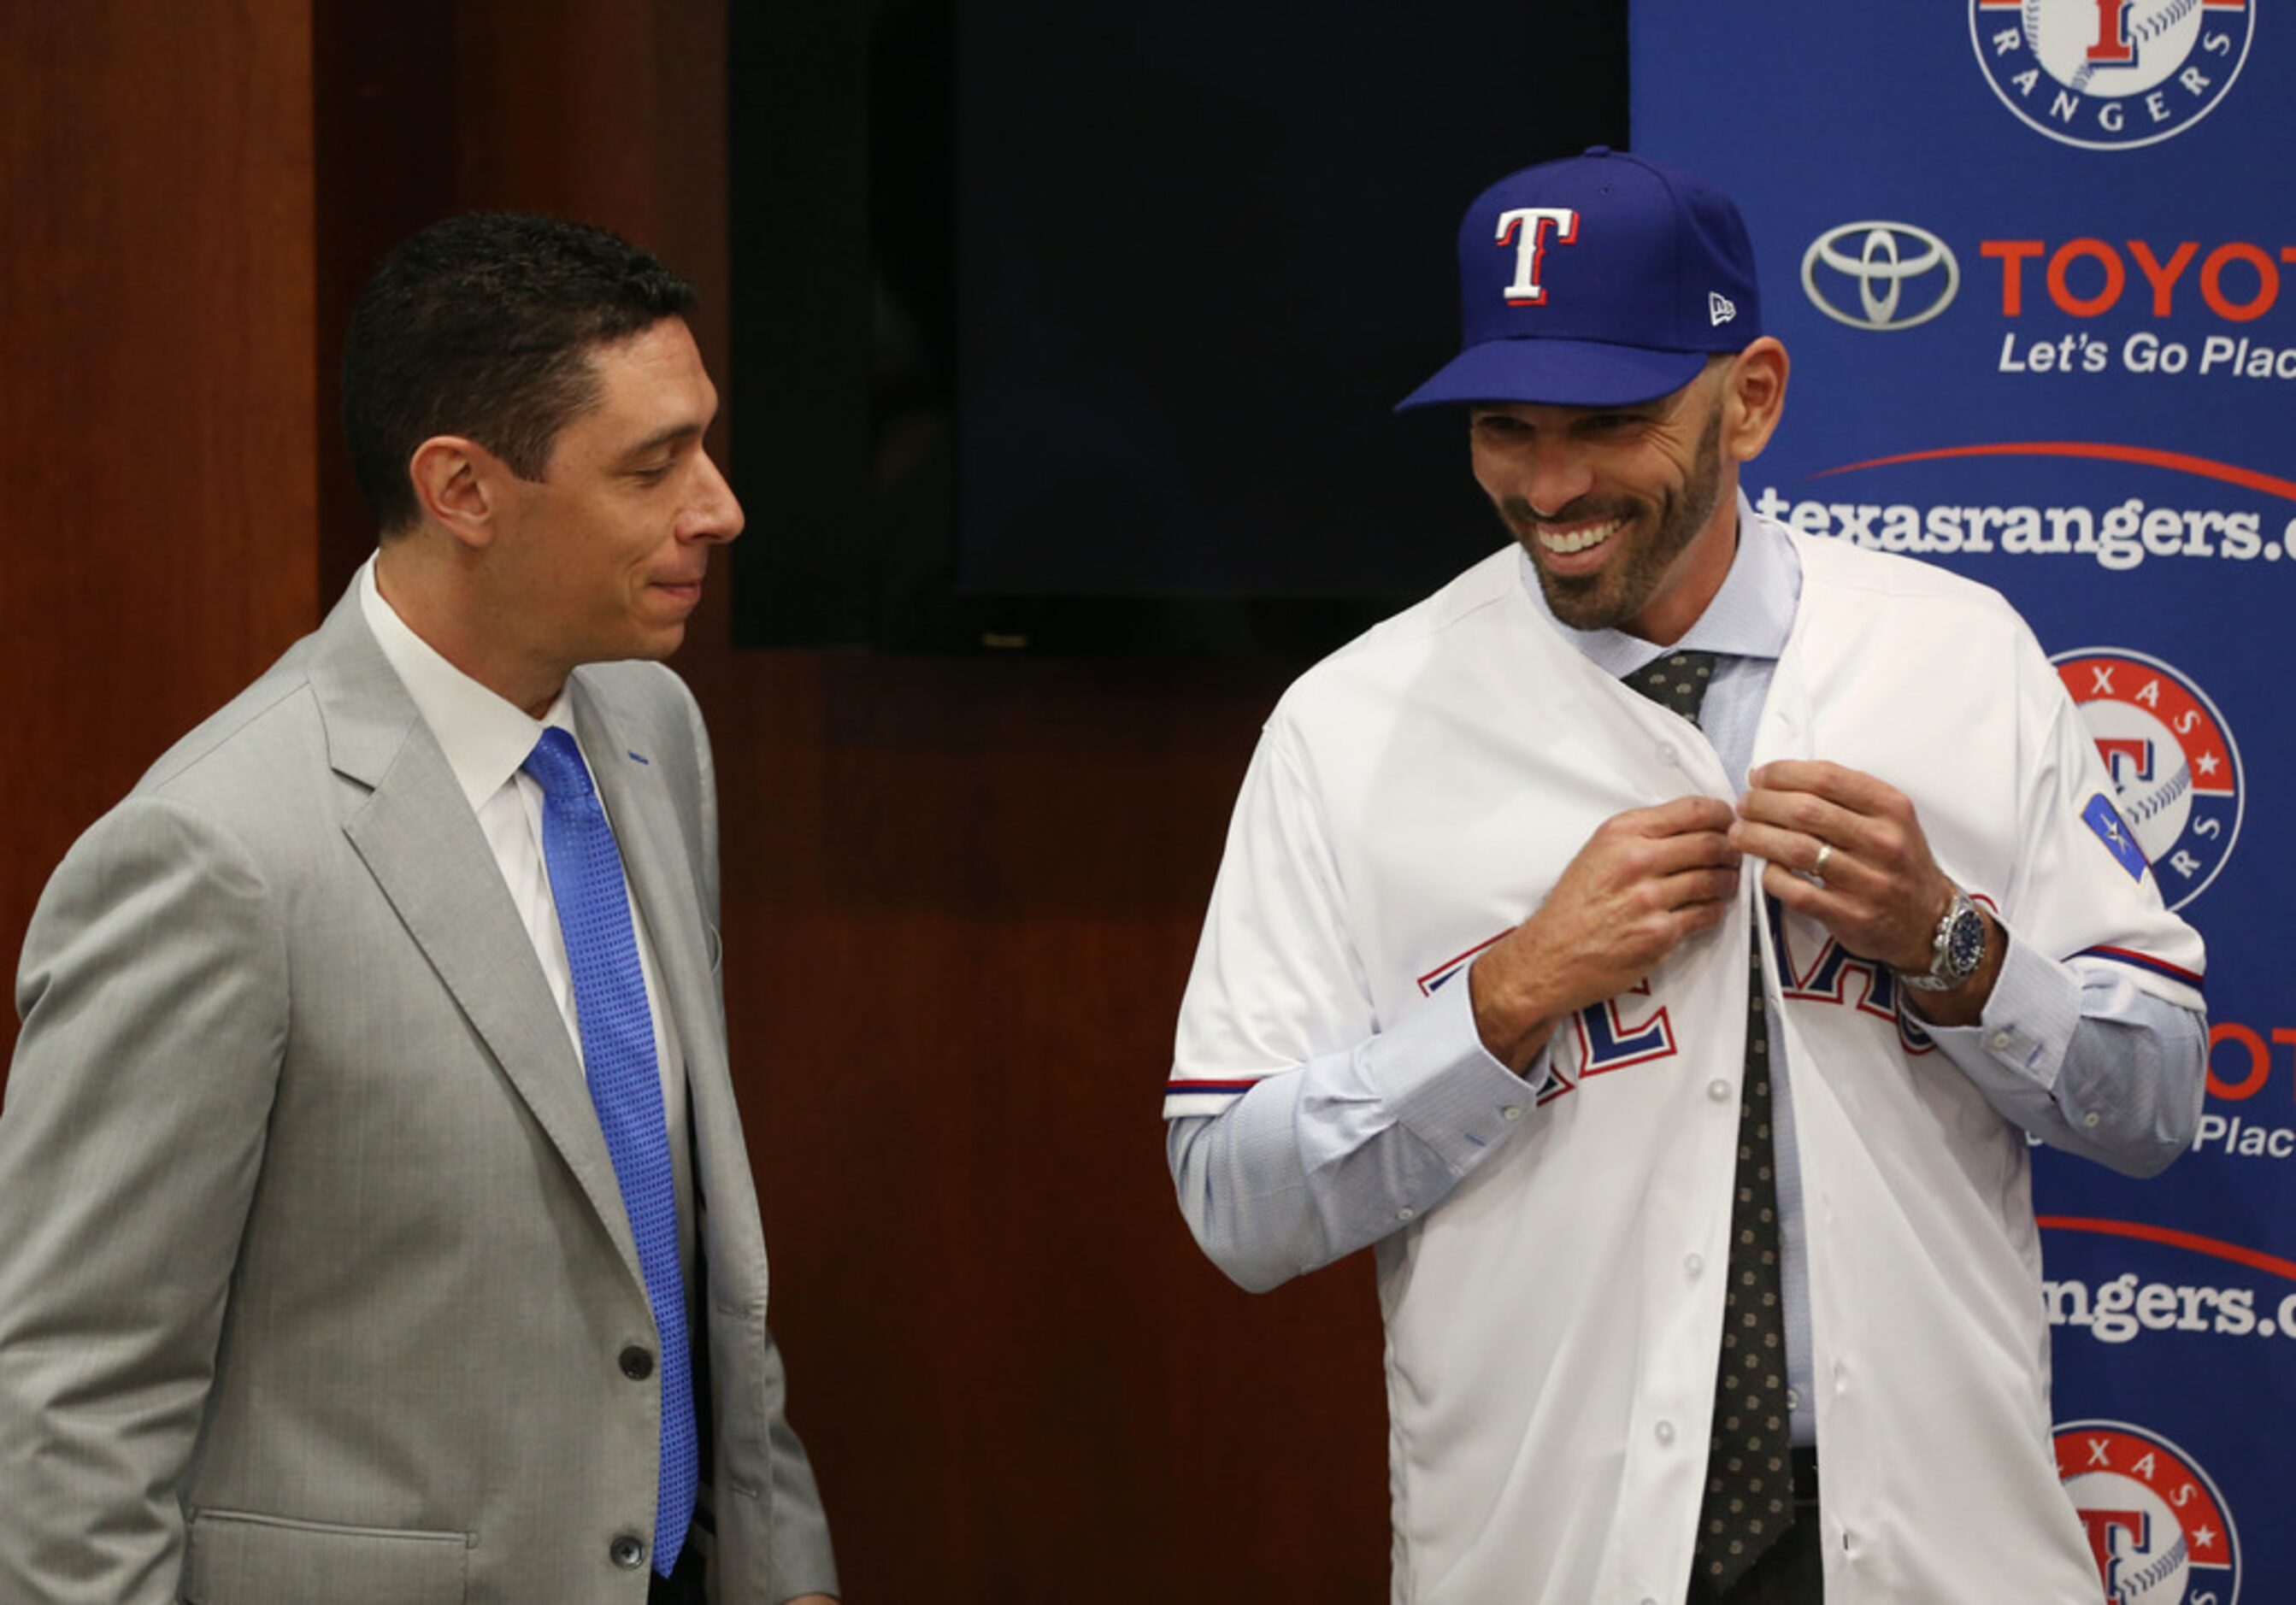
x,y
654,832
420,841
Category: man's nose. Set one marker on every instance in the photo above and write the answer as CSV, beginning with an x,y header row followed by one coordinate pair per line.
x,y
716,515
1553,474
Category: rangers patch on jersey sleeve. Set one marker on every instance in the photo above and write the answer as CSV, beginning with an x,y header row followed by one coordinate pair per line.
x,y
2174,768
2113,830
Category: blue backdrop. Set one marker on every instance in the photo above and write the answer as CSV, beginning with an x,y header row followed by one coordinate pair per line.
x,y
2035,262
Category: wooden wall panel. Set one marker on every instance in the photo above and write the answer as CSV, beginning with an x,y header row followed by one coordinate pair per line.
x,y
961,900
383,147
157,436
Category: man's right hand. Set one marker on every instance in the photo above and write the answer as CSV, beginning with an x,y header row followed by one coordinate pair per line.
x,y
1646,879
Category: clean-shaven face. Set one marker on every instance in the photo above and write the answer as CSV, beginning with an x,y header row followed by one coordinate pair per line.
x,y
603,557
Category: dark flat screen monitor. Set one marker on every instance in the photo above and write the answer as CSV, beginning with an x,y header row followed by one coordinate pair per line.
x,y
1069,328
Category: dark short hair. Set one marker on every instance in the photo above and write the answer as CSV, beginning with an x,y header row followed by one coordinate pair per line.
x,y
482,326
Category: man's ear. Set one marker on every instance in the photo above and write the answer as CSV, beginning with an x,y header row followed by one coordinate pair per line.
x,y
1755,394
454,480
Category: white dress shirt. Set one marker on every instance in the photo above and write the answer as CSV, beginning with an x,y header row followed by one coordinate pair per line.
x,y
486,738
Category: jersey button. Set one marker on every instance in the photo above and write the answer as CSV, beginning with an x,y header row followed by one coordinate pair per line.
x,y
1666,1432
1717,1089
1406,1213
1512,1111
1666,754
2003,1042
1693,1263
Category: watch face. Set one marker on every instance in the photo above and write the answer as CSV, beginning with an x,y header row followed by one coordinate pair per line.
x,y
1964,947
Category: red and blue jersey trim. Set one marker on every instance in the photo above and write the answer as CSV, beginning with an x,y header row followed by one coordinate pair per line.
x,y
2142,960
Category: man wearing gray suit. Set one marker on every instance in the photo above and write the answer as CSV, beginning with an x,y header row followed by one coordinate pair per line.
x,y
376,1226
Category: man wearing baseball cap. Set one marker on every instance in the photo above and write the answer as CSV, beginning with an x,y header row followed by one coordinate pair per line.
x,y
1658,945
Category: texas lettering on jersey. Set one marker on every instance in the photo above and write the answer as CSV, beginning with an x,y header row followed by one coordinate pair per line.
x,y
1830,976
1633,1029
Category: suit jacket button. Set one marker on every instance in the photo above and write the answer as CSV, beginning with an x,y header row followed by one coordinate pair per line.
x,y
628,1551
638,1364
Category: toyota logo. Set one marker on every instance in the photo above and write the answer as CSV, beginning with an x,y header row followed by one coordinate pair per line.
x,y
1884,260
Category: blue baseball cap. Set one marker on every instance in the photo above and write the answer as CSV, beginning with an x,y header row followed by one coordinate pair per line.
x,y
1600,280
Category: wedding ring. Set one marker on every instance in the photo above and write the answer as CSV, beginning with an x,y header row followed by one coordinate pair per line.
x,y
1817,864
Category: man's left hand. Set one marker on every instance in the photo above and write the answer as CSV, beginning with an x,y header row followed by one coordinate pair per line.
x,y
1877,891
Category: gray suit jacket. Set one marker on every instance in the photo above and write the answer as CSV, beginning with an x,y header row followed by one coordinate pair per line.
x,y
315,1275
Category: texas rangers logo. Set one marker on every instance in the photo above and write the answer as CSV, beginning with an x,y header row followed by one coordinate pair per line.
x,y
2174,770
2110,75
1530,230
2160,1530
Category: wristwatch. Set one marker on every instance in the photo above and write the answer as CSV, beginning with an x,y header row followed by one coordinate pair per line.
x,y
1957,950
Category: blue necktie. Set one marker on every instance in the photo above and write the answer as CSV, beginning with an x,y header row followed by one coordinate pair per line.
x,y
610,1004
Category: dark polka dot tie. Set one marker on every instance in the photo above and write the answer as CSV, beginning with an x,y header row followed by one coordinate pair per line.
x,y
1749,1501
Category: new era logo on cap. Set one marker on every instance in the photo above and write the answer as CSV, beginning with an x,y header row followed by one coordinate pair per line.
x,y
1597,281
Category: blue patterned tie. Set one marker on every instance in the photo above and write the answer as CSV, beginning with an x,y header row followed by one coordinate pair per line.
x,y
610,1004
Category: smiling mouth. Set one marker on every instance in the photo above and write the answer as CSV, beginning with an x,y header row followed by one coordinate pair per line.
x,y
1579,538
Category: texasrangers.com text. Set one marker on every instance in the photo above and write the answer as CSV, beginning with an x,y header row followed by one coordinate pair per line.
x,y
2127,1306
2121,537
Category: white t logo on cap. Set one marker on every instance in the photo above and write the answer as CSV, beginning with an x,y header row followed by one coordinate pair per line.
x,y
1527,226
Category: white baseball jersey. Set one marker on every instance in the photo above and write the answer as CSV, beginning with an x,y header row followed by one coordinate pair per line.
x,y
1553,1325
